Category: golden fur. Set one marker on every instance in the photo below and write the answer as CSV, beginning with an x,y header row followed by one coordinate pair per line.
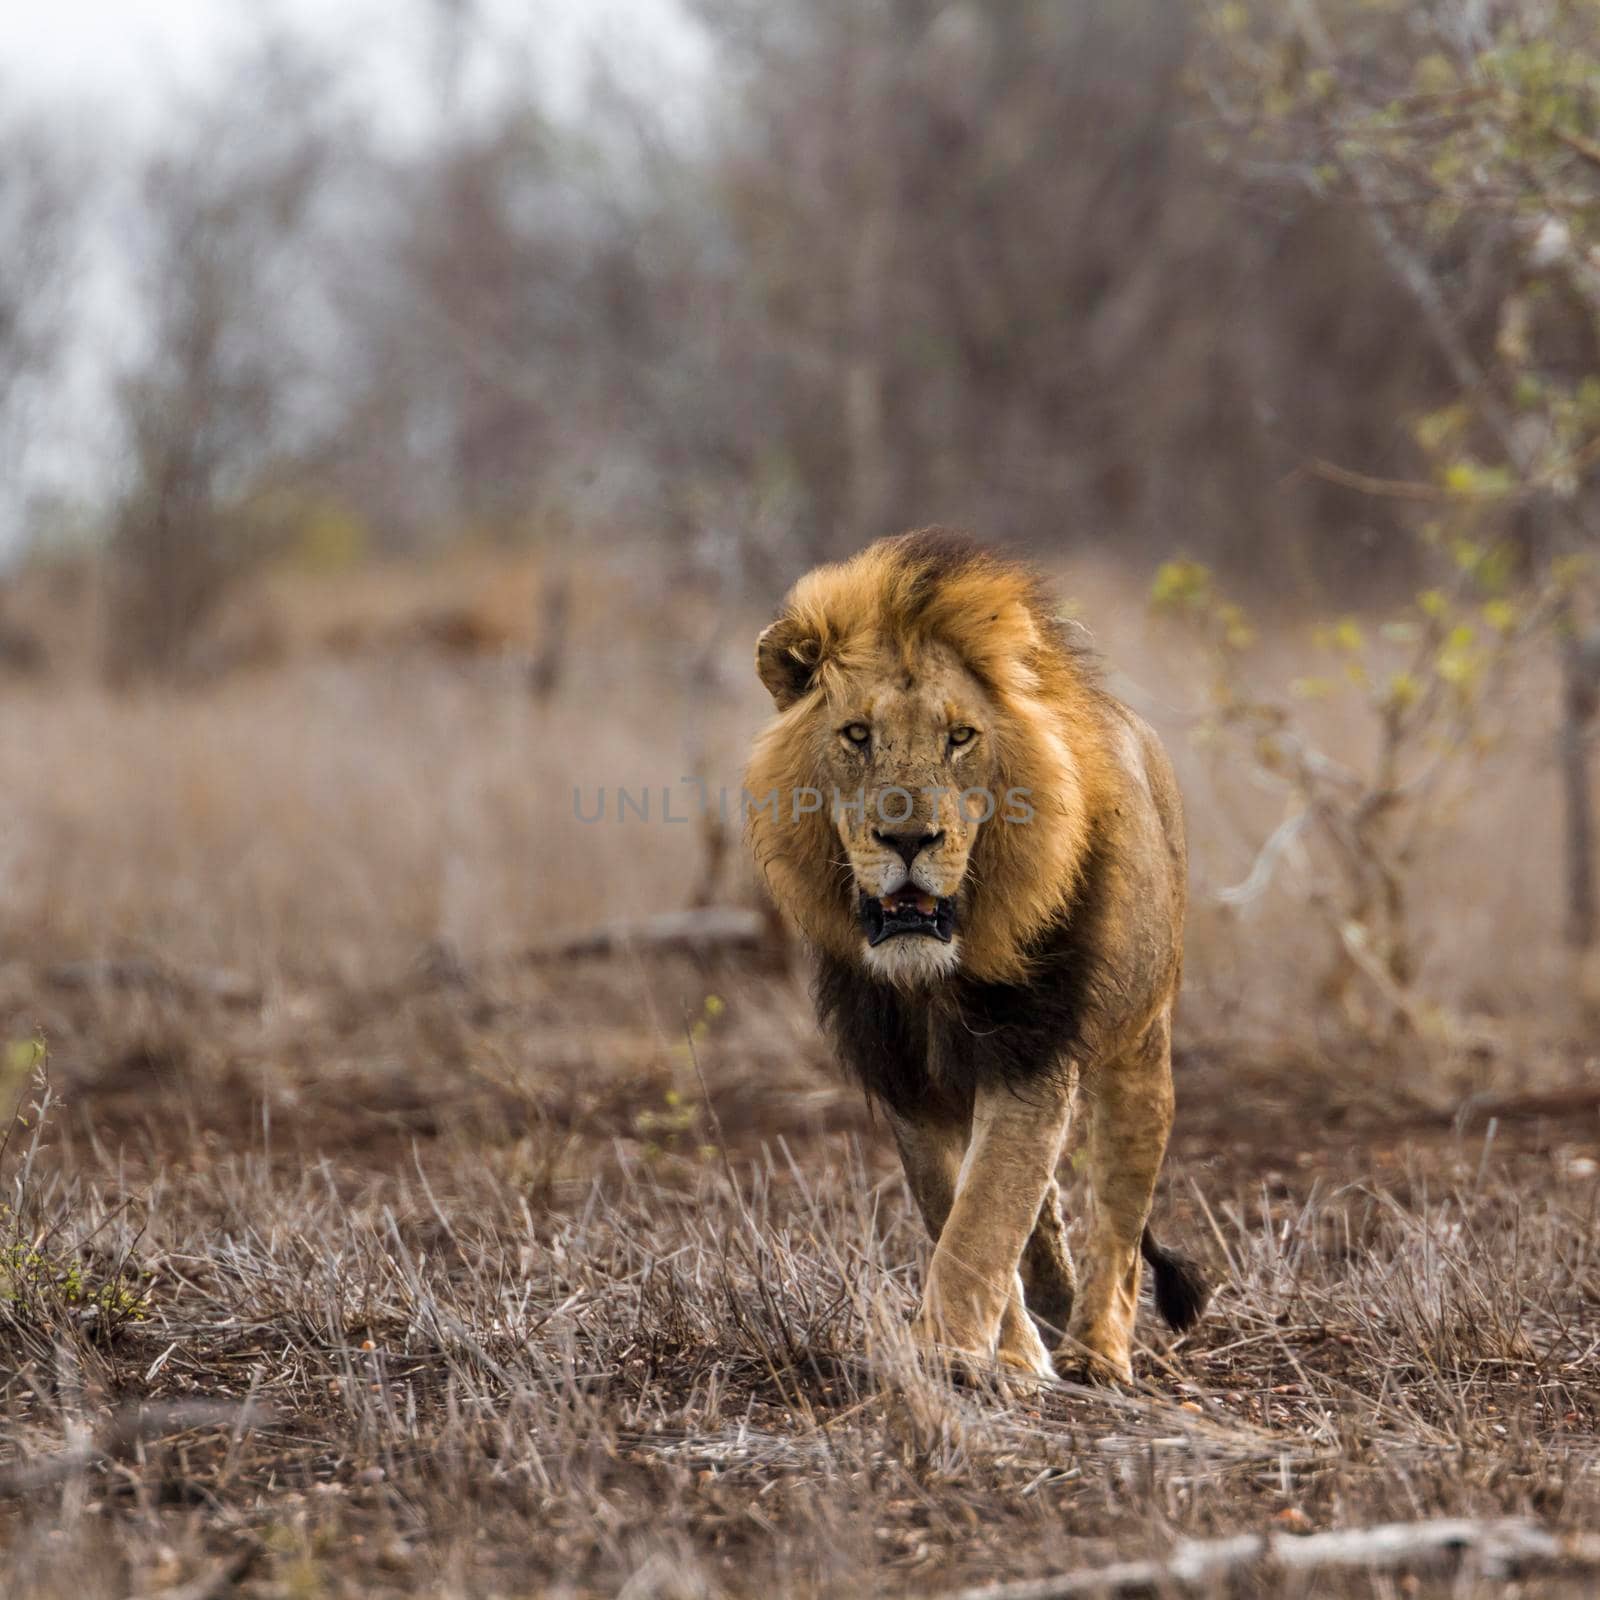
x,y
873,615
914,683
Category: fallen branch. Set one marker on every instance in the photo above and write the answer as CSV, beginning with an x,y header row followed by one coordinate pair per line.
x,y
699,931
121,1436
1498,1548
1577,1100
211,983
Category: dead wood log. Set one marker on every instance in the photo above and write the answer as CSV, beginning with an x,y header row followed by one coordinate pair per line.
x,y
1568,1103
225,987
122,1434
703,930
1496,1548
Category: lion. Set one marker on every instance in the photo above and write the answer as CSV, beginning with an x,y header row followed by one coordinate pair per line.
x,y
985,852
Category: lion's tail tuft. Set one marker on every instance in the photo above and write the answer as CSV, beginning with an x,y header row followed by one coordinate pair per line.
x,y
1181,1289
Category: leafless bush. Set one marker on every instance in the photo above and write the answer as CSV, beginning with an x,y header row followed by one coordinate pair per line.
x,y
924,263
39,218
41,181
1435,687
210,407
999,281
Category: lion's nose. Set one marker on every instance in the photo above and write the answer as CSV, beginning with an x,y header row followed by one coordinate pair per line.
x,y
908,845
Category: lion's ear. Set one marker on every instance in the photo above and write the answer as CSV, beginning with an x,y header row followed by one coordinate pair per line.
x,y
787,657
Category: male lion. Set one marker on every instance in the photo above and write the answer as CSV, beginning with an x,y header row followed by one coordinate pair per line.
x,y
1002,929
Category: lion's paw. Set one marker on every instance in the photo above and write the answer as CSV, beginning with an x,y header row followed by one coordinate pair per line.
x,y
1079,1363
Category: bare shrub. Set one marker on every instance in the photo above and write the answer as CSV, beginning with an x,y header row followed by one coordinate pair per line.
x,y
1435,686
209,408
1466,145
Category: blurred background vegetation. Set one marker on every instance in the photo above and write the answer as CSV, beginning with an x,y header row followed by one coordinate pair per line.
x,y
1281,316
1113,277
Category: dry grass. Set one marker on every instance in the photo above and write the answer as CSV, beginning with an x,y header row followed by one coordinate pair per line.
x,y
398,1274
369,794
360,796
476,1334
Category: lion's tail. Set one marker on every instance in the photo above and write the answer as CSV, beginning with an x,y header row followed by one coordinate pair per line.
x,y
1181,1289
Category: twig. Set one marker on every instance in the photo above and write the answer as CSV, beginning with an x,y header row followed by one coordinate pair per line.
x,y
1404,488
709,928
1266,862
1498,1548
228,988
1575,142
129,1428
1532,486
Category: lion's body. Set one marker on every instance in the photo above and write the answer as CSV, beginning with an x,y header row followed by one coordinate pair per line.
x,y
974,973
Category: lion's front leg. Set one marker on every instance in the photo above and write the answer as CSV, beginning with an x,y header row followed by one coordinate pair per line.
x,y
1047,1272
1130,1115
931,1151
973,1302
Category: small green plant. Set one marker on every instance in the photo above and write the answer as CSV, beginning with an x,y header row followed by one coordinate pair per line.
x,y
668,1128
53,1286
666,1124
20,1059
47,1285
1427,680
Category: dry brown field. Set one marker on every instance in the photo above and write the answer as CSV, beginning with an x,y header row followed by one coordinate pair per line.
x,y
355,1245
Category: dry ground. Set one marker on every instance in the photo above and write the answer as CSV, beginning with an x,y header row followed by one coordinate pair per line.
x,y
351,1243
474,1290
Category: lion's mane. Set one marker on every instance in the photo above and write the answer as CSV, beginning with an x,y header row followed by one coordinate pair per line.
x,y
1029,974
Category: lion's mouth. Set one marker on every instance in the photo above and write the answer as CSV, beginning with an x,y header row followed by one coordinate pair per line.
x,y
909,910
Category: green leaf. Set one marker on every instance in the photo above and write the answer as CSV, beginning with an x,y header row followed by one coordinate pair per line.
x,y
1181,585
1403,691
1346,635
1312,688
1501,615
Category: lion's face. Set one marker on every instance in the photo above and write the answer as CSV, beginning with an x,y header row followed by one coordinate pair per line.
x,y
919,803
909,760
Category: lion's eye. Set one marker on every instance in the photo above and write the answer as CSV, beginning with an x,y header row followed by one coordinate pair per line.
x,y
961,736
856,732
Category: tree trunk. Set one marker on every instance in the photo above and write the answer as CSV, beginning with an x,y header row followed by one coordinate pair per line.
x,y
1580,675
